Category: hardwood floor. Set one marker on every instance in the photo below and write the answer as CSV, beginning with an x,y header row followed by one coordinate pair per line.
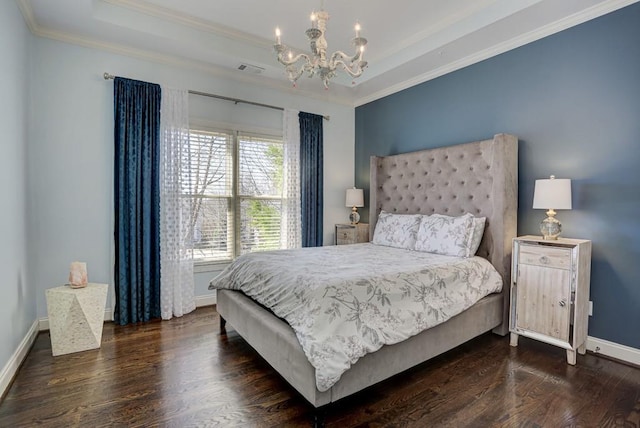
x,y
182,373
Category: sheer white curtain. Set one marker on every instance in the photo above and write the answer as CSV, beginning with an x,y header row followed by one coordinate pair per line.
x,y
290,227
177,295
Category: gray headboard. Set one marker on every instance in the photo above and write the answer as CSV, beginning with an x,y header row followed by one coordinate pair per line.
x,y
480,178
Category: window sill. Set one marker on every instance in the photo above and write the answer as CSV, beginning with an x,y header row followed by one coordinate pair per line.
x,y
205,267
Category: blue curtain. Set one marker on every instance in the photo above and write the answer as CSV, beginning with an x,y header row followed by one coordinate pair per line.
x,y
311,167
137,200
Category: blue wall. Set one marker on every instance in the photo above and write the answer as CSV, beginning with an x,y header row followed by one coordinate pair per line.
x,y
573,99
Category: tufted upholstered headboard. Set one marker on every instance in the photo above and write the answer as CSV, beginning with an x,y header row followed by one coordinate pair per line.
x,y
480,178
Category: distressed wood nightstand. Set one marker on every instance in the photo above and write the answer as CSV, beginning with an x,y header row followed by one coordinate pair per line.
x,y
352,233
550,292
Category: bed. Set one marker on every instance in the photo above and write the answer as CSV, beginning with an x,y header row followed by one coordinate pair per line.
x,y
479,178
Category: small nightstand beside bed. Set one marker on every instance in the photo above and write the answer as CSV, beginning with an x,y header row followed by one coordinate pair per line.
x,y
478,178
352,233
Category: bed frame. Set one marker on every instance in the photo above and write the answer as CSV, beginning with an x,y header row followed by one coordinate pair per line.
x,y
480,178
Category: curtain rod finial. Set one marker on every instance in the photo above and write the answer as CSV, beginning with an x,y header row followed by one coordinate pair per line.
x,y
108,76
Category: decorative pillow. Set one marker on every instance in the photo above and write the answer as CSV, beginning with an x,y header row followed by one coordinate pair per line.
x,y
396,230
450,236
478,232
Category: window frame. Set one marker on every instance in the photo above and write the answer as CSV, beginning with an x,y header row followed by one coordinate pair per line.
x,y
234,200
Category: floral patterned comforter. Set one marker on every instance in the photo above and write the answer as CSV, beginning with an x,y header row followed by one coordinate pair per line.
x,y
346,301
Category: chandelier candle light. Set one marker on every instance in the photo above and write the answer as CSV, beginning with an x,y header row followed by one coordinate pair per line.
x,y
318,63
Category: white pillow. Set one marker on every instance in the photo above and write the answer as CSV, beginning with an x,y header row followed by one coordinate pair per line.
x,y
396,230
450,236
478,232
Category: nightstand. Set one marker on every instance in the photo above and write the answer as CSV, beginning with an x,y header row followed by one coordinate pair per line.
x,y
352,233
550,292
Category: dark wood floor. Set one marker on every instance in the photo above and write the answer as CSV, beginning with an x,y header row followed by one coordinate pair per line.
x,y
183,373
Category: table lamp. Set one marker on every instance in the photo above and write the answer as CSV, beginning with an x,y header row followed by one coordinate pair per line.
x,y
552,194
355,198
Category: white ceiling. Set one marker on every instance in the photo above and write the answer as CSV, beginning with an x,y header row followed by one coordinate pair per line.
x,y
410,41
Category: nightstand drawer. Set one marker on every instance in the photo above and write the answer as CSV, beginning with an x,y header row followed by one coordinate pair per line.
x,y
345,235
540,255
352,233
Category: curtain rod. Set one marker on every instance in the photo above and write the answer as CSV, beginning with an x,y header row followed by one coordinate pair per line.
x,y
108,76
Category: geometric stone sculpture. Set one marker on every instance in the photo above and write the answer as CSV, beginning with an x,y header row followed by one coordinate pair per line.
x,y
76,317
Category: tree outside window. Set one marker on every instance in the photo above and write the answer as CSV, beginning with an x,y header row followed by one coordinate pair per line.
x,y
232,183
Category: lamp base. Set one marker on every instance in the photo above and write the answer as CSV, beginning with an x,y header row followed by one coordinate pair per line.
x,y
354,217
550,227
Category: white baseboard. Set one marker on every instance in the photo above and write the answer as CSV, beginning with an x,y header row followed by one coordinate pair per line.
x,y
206,300
614,350
11,368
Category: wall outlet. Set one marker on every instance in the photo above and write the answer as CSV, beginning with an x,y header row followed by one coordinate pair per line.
x,y
590,308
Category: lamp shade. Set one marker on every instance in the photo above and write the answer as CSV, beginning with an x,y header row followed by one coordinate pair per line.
x,y
355,198
552,193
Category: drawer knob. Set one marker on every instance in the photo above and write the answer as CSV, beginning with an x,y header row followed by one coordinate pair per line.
x,y
562,303
544,260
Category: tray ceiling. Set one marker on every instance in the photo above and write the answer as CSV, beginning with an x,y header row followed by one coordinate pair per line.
x,y
410,41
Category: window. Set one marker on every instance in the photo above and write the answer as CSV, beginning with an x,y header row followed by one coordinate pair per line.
x,y
233,185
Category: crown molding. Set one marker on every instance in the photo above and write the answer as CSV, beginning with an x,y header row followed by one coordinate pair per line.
x,y
547,30
190,21
177,17
432,29
27,14
347,100
39,31
183,63
180,18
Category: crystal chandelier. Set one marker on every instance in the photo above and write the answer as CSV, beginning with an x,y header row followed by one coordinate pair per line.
x,y
318,63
